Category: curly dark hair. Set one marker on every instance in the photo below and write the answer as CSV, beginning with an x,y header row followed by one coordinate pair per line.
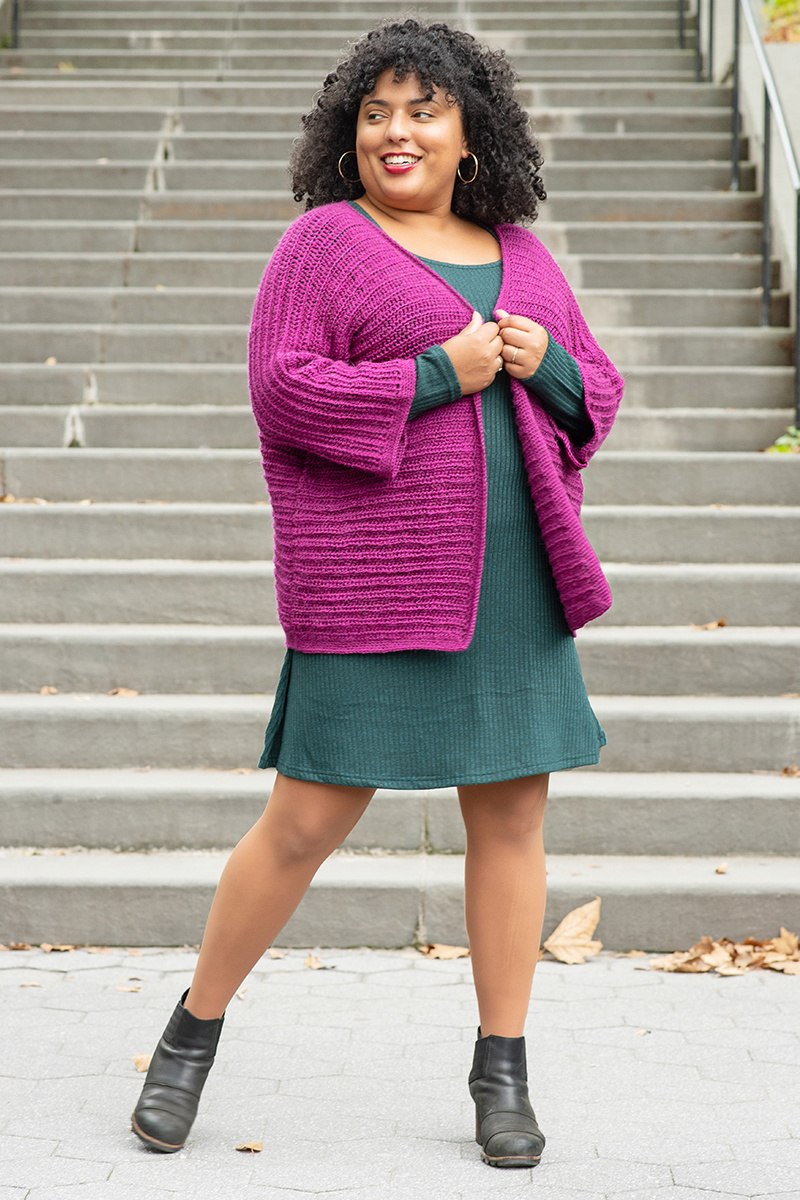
x,y
479,79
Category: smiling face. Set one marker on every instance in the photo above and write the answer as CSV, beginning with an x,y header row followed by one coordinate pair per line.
x,y
408,146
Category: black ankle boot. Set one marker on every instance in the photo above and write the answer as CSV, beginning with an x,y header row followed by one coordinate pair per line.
x,y
178,1069
505,1123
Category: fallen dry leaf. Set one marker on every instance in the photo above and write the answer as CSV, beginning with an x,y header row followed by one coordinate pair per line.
x,y
438,950
630,954
570,941
240,993
31,985
135,953
47,690
253,1147
721,869
137,987
273,953
122,691
720,624
141,1061
49,949
735,958
98,950
50,361
243,771
791,772
642,1032
2,947
21,946
316,964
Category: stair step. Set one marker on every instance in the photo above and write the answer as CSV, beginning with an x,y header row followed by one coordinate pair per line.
x,y
220,660
619,533
645,733
587,812
648,902
220,592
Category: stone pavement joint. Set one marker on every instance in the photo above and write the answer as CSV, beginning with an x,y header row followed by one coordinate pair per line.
x,y
355,1080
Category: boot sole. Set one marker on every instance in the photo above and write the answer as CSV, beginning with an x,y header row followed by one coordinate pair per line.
x,y
153,1143
512,1161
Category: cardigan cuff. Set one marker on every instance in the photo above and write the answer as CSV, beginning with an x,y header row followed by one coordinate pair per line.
x,y
558,384
437,382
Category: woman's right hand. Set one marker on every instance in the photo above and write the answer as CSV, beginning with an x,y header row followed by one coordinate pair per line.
x,y
475,353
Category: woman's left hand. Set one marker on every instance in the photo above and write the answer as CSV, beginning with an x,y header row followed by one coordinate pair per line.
x,y
524,344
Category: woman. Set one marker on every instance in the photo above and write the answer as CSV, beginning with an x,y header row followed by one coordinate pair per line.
x,y
422,449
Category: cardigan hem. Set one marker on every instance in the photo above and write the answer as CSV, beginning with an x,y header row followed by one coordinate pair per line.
x,y
270,760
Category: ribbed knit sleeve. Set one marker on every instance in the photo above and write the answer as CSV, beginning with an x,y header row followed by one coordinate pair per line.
x,y
307,393
558,385
437,382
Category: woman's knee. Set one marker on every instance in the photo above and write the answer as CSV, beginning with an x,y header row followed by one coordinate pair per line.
x,y
309,820
511,812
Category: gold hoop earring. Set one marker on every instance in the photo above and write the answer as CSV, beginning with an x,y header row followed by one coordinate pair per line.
x,y
475,174
341,172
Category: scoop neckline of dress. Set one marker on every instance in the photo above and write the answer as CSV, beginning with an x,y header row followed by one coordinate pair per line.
x,y
441,262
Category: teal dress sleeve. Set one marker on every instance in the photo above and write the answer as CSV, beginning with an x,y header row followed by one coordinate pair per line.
x,y
437,382
558,385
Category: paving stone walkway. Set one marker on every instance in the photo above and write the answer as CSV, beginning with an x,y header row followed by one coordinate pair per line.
x,y
675,1087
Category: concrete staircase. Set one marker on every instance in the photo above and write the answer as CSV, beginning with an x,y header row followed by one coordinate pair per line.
x,y
143,188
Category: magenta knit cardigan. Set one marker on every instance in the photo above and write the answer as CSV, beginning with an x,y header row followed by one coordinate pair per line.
x,y
379,522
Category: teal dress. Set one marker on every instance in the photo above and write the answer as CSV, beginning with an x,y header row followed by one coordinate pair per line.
x,y
514,702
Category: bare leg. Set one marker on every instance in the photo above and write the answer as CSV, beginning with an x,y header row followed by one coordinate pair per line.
x,y
265,879
505,893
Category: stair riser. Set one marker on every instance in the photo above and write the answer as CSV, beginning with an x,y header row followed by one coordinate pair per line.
x,y
692,478
307,12
135,119
163,915
129,270
233,428
226,383
134,733
228,344
700,431
750,595
706,535
612,62
155,592
136,818
249,662
232,175
286,93
621,238
195,148
224,477
87,204
126,306
159,592
201,41
296,26
242,532
158,383
132,237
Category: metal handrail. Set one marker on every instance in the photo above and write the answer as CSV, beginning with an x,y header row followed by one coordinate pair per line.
x,y
773,111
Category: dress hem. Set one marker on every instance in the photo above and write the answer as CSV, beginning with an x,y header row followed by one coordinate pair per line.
x,y
424,784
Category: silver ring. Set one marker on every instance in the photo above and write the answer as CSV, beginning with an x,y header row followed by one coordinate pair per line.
x,y
514,355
